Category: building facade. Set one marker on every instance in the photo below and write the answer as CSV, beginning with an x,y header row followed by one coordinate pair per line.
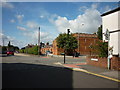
x,y
111,22
46,48
56,50
84,43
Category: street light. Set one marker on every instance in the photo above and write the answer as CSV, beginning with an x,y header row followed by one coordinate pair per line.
x,y
79,40
39,41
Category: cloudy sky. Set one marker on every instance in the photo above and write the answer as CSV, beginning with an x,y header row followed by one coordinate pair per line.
x,y
21,20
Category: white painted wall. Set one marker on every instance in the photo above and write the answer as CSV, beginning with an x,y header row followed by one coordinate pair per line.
x,y
114,42
119,42
119,33
112,23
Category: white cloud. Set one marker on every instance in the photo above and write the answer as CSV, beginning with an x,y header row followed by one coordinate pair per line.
x,y
33,35
2,36
12,21
19,17
41,16
21,28
91,19
5,38
12,40
94,6
6,5
32,25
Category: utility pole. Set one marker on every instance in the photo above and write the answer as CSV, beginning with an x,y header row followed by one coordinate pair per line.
x,y
3,41
78,42
39,41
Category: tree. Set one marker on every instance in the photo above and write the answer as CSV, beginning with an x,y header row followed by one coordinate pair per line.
x,y
99,32
35,50
16,48
67,42
101,48
47,43
30,50
4,48
42,44
9,44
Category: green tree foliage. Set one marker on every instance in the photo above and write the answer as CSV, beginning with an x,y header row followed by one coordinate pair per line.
x,y
99,32
21,50
101,48
4,48
33,50
16,48
9,44
67,42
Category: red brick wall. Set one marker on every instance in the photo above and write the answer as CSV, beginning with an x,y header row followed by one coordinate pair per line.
x,y
56,50
85,41
102,62
43,50
115,63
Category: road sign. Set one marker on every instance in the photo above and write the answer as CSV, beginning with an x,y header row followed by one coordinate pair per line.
x,y
107,35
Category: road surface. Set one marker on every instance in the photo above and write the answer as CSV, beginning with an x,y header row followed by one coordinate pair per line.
x,y
42,72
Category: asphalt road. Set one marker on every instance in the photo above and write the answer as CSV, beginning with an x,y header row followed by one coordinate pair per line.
x,y
41,72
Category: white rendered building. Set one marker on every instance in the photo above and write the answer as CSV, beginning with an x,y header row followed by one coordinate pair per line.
x,y
111,22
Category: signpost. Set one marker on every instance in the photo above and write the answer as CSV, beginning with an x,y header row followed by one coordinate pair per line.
x,y
68,31
107,37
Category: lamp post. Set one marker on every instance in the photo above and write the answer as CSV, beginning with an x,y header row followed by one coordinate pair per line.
x,y
79,40
39,41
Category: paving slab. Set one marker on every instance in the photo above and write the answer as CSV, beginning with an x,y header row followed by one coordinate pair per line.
x,y
97,70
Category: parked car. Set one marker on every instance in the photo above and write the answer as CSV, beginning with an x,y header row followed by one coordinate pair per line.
x,y
10,53
48,53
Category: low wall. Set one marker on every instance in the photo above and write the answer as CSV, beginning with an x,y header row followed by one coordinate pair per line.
x,y
115,63
102,62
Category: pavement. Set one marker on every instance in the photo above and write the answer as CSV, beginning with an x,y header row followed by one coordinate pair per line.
x,y
97,71
83,67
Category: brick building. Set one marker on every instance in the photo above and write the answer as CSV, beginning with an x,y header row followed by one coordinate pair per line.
x,y
46,48
56,50
85,41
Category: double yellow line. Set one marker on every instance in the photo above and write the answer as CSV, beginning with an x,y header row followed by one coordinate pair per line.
x,y
75,69
85,71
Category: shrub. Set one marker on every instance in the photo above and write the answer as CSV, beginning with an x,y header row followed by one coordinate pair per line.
x,y
101,48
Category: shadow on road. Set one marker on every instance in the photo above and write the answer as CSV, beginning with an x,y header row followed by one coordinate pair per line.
x,y
21,75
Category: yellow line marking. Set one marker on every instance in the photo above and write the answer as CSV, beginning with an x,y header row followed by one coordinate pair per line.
x,y
96,74
82,70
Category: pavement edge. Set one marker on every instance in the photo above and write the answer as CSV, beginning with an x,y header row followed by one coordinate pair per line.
x,y
85,71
